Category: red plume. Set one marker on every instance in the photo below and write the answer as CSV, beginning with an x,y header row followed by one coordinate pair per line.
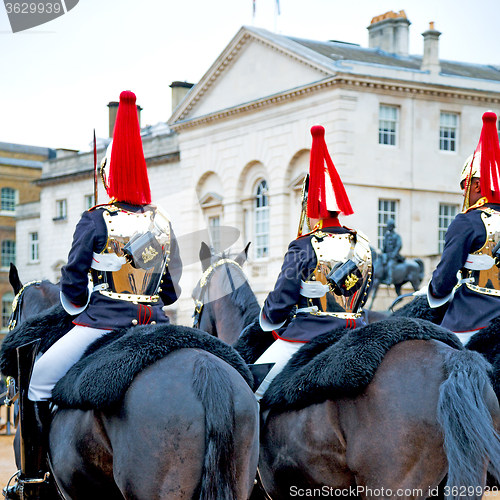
x,y
128,175
489,148
316,200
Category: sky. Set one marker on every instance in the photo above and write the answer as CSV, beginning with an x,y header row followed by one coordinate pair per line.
x,y
56,79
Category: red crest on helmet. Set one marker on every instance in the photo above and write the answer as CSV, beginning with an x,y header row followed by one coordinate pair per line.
x,y
128,176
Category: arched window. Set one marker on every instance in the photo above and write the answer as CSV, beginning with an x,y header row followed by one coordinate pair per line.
x,y
6,309
261,219
8,252
8,200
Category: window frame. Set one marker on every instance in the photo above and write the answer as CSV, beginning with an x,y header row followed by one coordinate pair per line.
x,y
34,247
4,254
383,216
7,300
89,201
214,231
444,220
449,128
61,214
386,132
14,201
261,218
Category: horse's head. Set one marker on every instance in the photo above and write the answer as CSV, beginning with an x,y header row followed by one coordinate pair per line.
x,y
223,299
31,298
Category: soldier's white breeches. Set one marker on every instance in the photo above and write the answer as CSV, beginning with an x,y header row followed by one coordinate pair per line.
x,y
51,366
465,336
279,352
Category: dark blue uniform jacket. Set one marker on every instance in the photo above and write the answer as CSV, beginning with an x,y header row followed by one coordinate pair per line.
x,y
468,310
104,312
299,263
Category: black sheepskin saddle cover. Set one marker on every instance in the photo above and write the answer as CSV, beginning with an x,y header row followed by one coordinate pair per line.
x,y
48,327
101,377
343,362
486,342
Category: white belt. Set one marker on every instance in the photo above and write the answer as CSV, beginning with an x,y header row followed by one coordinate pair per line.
x,y
307,309
313,289
465,280
479,262
107,262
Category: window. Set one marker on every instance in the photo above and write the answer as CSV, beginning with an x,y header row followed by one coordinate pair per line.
x,y
89,201
446,215
386,210
8,253
261,221
8,200
448,131
214,226
7,300
34,256
61,210
388,125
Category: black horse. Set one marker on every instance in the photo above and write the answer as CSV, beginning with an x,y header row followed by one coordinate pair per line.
x,y
425,413
409,271
186,428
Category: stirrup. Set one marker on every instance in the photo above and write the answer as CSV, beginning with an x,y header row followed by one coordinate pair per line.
x,y
16,491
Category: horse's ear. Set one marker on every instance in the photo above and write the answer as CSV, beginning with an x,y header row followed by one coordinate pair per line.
x,y
242,256
14,280
205,256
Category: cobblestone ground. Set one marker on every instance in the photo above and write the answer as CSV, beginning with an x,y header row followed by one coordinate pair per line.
x,y
7,463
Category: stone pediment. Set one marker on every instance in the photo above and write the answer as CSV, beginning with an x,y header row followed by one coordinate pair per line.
x,y
210,200
254,65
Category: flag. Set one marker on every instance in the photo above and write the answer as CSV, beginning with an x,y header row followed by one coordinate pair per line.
x,y
278,5
253,10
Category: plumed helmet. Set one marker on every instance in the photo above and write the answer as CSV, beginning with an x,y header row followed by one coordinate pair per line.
x,y
485,162
128,176
474,170
326,190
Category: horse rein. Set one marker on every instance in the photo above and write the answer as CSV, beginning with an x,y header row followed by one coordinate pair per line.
x,y
205,280
17,303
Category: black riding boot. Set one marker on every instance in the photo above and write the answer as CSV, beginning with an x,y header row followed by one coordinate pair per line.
x,y
37,447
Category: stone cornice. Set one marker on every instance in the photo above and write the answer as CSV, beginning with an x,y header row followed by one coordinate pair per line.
x,y
351,82
88,173
221,64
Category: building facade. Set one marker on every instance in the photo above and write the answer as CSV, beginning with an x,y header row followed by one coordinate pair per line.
x,y
20,165
399,128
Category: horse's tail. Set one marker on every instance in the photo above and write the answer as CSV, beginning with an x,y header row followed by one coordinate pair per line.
x,y
215,391
469,436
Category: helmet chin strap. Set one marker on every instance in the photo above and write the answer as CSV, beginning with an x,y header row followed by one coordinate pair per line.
x,y
102,174
468,183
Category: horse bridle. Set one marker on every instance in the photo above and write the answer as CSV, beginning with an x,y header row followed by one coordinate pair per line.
x,y
16,305
205,280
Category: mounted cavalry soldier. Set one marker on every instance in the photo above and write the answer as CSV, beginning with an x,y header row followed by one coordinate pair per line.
x,y
128,247
468,275
325,273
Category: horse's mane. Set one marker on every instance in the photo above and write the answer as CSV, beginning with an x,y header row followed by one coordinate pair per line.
x,y
242,297
39,297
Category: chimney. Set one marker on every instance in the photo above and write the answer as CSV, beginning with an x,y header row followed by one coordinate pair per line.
x,y
390,33
430,59
179,91
113,110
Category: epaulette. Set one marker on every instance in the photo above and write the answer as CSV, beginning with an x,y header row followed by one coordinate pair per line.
x,y
482,201
104,206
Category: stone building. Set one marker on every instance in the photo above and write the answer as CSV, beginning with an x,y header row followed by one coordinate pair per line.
x,y
20,165
398,128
